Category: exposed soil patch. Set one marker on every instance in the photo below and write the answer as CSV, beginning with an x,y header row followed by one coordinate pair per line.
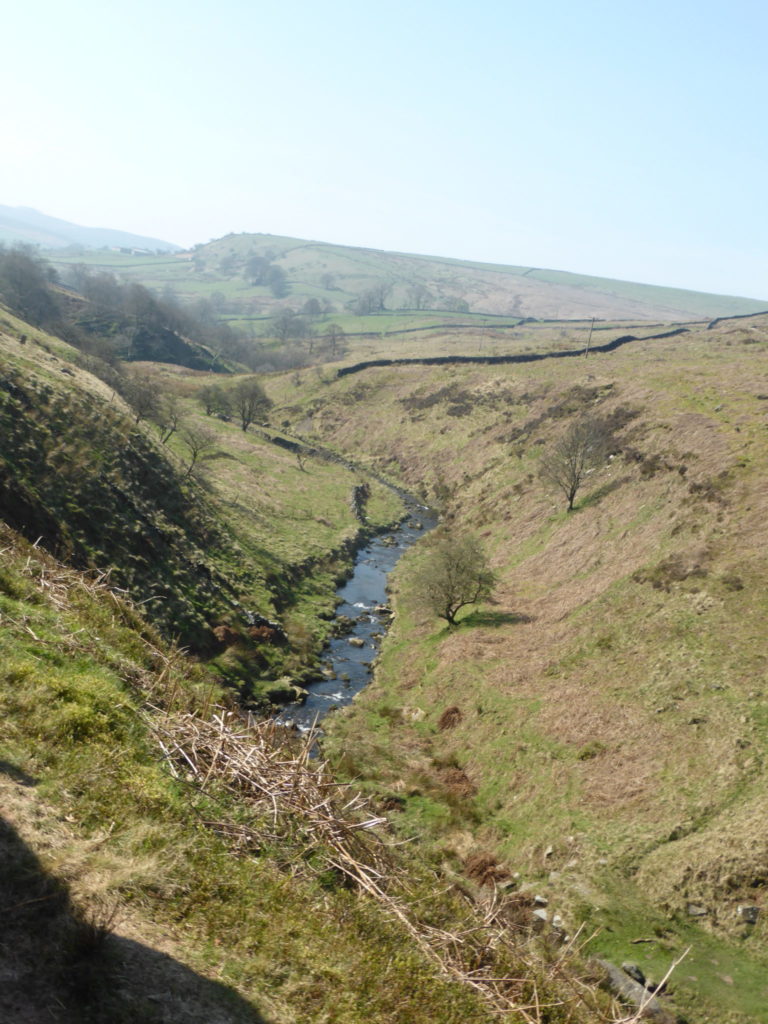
x,y
485,869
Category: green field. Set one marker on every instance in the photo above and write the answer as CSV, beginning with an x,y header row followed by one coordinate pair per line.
x,y
339,275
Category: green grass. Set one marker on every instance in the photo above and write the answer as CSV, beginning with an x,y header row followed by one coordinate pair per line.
x,y
489,288
610,701
259,930
711,974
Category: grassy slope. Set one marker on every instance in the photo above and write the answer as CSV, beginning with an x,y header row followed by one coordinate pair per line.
x,y
488,288
613,733
552,750
119,903
103,493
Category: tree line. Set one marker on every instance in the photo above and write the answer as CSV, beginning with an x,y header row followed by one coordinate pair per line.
x,y
114,311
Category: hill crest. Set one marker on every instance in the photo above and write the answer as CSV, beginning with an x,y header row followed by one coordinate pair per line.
x,y
24,224
331,272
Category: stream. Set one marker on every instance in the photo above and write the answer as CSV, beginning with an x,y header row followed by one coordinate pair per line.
x,y
347,659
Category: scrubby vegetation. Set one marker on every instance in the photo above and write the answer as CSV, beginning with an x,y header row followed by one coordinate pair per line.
x,y
211,562
550,757
165,858
572,727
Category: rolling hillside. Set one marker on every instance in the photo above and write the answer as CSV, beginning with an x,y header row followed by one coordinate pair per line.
x,y
355,282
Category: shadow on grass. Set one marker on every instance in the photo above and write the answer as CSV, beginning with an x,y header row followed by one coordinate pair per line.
x,y
491,618
15,773
62,964
596,496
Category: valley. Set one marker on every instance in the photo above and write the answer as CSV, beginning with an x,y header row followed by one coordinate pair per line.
x,y
606,735
573,771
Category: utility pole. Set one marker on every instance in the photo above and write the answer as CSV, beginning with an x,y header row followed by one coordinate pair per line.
x,y
589,339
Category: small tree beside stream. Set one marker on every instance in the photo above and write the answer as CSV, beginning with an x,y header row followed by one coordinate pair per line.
x,y
455,574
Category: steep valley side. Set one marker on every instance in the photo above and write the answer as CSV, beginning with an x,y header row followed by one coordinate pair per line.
x,y
606,714
587,748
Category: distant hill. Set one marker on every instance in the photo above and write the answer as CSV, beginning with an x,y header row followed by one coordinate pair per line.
x,y
318,269
23,224
256,275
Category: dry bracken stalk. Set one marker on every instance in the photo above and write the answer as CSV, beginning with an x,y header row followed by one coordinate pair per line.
x,y
295,790
294,797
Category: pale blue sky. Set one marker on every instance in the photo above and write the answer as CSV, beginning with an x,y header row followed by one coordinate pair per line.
x,y
626,140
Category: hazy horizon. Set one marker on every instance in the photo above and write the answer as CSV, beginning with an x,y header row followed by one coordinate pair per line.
x,y
620,143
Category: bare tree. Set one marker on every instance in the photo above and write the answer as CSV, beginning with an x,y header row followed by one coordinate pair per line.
x,y
215,400
168,417
583,447
334,335
200,443
372,300
455,573
249,401
142,393
287,325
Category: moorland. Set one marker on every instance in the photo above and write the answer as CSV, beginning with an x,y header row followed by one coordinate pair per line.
x,y
572,772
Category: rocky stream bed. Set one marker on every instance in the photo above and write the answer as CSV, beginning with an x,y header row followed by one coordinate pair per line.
x,y
362,619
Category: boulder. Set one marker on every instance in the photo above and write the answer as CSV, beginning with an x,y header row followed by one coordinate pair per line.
x,y
343,624
539,918
413,714
285,691
748,913
633,970
310,675
632,992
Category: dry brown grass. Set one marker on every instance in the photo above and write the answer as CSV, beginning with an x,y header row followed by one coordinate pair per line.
x,y
615,700
296,798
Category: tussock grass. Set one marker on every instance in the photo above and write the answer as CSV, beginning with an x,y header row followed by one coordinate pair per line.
x,y
244,875
610,699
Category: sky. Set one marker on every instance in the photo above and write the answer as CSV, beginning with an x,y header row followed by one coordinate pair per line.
x,y
620,139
